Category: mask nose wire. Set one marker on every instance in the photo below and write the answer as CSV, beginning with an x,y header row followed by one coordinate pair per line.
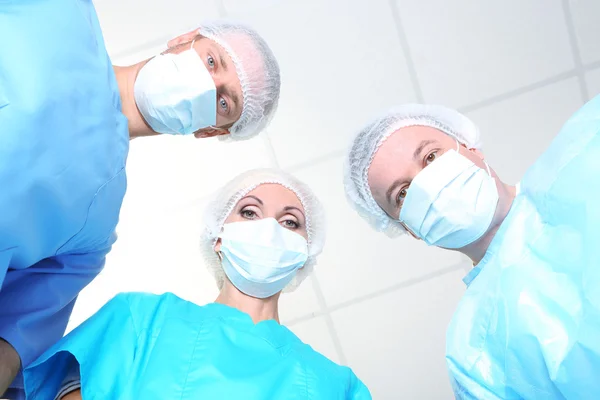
x,y
488,168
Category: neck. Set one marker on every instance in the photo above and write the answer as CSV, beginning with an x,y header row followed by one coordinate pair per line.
x,y
258,309
475,251
126,78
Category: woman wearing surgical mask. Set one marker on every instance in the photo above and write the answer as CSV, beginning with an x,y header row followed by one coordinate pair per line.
x,y
528,326
262,235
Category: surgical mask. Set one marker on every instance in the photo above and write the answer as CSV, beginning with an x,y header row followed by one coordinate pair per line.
x,y
451,203
261,257
176,94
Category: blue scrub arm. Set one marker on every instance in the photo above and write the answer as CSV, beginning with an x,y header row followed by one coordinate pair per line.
x,y
36,303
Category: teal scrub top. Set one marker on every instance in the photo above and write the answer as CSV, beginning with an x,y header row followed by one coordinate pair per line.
x,y
142,346
63,148
528,326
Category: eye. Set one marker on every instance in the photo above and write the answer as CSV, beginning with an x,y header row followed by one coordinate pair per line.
x,y
288,223
248,214
401,196
430,157
210,61
223,104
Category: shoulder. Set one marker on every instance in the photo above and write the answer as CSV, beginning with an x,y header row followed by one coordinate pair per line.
x,y
141,301
325,372
147,307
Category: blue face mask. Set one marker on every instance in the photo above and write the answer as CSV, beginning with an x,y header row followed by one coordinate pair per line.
x,y
451,202
261,257
176,94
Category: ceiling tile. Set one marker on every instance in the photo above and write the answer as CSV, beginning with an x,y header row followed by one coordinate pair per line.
x,y
593,82
466,51
166,172
395,343
516,132
585,18
300,303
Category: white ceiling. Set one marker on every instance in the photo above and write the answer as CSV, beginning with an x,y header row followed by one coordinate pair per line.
x,y
518,68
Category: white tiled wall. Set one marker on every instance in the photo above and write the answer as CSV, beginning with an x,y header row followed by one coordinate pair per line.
x,y
518,68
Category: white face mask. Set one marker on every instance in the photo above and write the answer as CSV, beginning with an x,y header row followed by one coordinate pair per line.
x,y
176,94
451,202
261,257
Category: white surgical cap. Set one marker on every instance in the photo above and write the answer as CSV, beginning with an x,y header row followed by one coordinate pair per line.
x,y
257,70
227,198
371,137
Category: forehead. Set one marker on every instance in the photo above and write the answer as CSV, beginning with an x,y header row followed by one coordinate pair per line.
x,y
204,42
275,195
396,156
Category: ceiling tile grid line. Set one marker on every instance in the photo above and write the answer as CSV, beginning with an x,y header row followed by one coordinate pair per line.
x,y
221,8
412,71
399,286
328,320
519,91
575,50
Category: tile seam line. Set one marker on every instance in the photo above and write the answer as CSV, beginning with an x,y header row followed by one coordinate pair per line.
x,y
575,50
373,295
405,47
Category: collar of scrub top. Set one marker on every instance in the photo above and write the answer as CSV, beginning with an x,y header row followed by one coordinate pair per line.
x,y
491,249
270,330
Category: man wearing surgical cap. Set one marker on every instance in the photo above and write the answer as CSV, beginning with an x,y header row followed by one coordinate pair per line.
x,y
528,326
66,116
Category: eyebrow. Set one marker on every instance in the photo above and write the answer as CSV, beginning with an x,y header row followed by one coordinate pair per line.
x,y
222,61
288,208
259,201
420,148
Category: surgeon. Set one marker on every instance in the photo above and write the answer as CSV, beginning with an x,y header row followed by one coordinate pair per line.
x,y
262,235
66,117
528,326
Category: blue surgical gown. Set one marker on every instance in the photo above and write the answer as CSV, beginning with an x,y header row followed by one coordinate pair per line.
x,y
528,326
63,147
143,346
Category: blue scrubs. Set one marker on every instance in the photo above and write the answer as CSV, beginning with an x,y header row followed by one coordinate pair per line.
x,y
528,326
142,346
63,147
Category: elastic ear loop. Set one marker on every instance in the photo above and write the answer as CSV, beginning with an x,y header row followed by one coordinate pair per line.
x,y
487,166
410,231
219,253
